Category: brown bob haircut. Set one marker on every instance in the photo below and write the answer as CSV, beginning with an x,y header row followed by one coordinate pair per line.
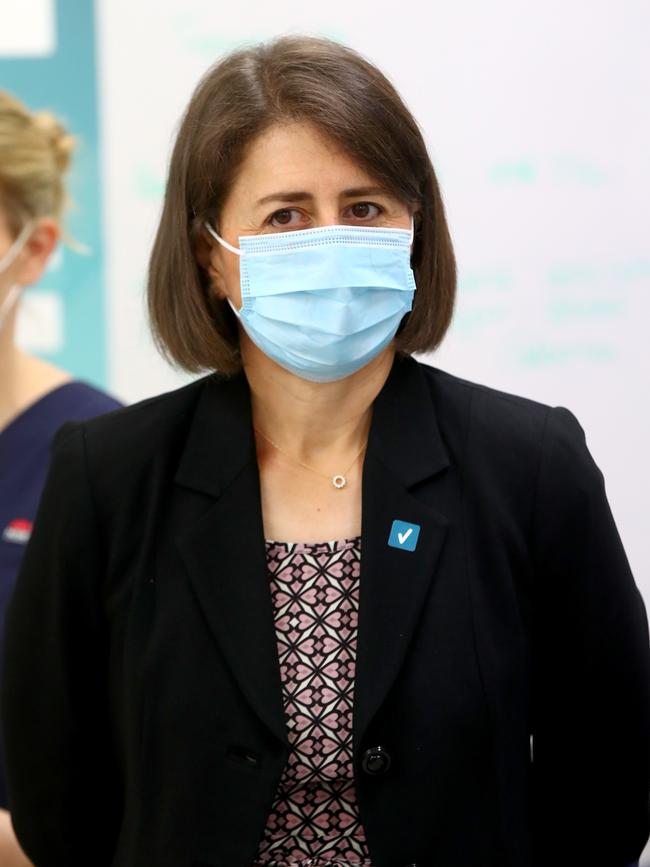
x,y
291,78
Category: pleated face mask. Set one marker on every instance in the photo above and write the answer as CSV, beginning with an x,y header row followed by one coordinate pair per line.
x,y
324,302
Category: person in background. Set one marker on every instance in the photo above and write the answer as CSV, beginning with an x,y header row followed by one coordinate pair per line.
x,y
36,397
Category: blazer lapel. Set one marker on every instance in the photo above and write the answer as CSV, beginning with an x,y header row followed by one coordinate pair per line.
x,y
222,540
405,448
224,550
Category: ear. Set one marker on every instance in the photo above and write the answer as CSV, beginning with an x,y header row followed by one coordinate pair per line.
x,y
37,251
208,257
416,213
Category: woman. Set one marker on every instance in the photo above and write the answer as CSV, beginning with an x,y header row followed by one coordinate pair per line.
x,y
310,608
36,397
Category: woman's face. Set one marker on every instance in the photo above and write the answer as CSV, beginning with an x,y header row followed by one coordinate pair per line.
x,y
293,177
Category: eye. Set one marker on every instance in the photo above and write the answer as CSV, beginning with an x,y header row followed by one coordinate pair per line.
x,y
282,217
362,210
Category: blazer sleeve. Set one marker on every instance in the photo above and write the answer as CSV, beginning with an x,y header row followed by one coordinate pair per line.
x,y
63,787
591,667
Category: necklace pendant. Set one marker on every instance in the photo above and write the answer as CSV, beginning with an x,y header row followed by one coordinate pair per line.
x,y
339,481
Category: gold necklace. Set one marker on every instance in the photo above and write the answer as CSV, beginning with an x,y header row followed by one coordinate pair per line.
x,y
339,480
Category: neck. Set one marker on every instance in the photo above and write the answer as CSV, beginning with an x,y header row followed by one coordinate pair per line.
x,y
23,377
312,420
11,369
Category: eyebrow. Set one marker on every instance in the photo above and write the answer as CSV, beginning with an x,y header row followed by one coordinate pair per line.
x,y
300,196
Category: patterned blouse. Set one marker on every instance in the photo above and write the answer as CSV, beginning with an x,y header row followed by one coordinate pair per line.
x,y
314,820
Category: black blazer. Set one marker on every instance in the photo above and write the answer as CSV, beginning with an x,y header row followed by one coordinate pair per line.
x,y
142,702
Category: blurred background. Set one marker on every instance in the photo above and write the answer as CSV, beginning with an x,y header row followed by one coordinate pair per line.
x,y
537,120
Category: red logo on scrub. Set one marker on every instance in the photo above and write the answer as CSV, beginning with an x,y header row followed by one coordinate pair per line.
x,y
18,530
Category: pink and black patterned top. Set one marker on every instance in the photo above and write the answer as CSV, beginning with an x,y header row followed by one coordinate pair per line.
x,y
314,820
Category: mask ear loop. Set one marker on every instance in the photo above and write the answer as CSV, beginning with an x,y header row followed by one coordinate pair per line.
x,y
14,291
16,247
233,250
412,234
8,303
222,241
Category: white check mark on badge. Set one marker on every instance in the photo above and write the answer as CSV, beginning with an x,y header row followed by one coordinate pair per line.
x,y
404,536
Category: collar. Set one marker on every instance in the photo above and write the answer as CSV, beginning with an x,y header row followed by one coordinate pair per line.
x,y
404,433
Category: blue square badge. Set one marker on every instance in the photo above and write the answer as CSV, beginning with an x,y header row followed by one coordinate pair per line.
x,y
404,535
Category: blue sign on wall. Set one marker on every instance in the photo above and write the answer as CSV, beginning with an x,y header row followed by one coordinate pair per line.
x,y
65,82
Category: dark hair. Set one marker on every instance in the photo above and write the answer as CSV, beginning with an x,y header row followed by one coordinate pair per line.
x,y
291,78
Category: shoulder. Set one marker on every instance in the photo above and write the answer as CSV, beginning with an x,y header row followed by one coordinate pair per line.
x,y
145,422
492,421
488,408
448,387
122,444
81,400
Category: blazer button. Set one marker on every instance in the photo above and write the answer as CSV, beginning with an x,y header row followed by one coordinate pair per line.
x,y
243,755
375,760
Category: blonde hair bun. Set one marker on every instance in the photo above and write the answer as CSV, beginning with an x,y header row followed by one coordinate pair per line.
x,y
35,152
60,140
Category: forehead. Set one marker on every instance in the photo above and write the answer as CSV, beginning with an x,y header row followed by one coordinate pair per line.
x,y
296,156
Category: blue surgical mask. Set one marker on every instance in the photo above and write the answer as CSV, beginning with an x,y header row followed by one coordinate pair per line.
x,y
324,302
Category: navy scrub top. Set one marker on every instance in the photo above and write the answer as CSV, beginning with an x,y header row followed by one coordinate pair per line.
x,y
24,460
